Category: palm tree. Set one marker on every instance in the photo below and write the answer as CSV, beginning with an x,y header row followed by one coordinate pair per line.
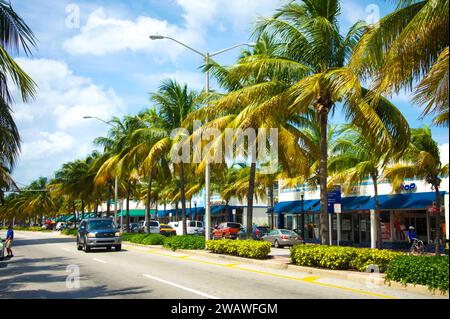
x,y
310,69
236,110
407,46
174,102
421,160
355,159
14,35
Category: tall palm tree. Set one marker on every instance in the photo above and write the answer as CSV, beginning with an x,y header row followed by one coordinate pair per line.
x,y
14,35
173,102
355,159
310,69
421,160
407,46
236,110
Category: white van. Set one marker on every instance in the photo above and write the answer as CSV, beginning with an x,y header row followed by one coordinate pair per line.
x,y
153,225
193,227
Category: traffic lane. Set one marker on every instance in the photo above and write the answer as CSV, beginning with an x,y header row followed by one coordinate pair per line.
x,y
209,278
226,283
39,270
151,269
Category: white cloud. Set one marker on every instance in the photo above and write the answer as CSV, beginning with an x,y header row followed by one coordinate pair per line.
x,y
103,34
52,126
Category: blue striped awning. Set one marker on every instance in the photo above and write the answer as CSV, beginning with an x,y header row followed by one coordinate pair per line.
x,y
403,201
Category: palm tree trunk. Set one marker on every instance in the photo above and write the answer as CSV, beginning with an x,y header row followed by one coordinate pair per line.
x,y
251,191
147,204
156,208
183,198
74,213
128,206
323,113
377,213
82,209
438,222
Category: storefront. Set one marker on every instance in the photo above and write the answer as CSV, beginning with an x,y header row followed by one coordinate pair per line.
x,y
397,213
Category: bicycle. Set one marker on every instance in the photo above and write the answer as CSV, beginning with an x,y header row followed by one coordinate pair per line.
x,y
417,247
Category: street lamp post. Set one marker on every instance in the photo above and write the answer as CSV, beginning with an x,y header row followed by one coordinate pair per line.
x,y
206,57
116,182
302,221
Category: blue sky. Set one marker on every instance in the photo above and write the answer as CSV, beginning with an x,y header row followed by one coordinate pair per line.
x,y
94,58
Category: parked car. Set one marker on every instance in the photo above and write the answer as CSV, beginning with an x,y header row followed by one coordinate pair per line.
x,y
134,228
226,230
193,227
257,232
283,237
98,232
61,226
167,230
2,249
153,225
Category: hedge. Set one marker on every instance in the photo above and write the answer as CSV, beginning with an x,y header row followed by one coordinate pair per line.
x,y
430,271
191,242
20,228
69,232
242,248
341,258
144,239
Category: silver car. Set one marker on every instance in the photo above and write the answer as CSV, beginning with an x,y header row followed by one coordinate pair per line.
x,y
283,237
2,249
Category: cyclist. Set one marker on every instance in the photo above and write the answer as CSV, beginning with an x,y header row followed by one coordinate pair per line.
x,y
412,234
417,245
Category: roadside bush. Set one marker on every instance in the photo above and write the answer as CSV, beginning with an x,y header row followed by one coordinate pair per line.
x,y
190,242
366,257
20,228
242,248
134,238
420,270
69,232
153,239
341,258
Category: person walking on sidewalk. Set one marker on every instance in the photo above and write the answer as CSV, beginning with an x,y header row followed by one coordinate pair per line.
x,y
9,240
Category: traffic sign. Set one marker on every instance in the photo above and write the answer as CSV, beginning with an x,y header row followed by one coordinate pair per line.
x,y
334,197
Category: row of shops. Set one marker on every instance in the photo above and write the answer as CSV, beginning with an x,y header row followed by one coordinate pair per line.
x,y
354,225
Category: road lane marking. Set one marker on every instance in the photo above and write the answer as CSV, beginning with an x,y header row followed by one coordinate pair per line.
x,y
308,279
100,261
181,287
65,249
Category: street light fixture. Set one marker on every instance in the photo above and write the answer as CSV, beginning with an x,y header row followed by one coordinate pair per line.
x,y
206,56
116,182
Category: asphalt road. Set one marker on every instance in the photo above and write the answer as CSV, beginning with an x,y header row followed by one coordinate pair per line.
x,y
46,265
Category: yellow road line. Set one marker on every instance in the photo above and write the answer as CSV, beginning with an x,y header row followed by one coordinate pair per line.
x,y
308,279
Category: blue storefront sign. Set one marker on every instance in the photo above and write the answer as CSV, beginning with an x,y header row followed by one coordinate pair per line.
x,y
334,197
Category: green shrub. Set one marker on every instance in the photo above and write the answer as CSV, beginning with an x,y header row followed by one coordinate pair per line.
x,y
191,242
420,270
366,257
341,258
70,232
20,228
242,248
153,239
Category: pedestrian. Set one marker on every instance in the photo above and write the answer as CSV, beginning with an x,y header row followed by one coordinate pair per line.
x,y
9,240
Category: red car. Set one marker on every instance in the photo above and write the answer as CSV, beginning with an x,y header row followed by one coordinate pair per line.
x,y
226,230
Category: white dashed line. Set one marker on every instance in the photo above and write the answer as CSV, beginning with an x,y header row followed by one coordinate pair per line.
x,y
100,261
65,249
181,287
